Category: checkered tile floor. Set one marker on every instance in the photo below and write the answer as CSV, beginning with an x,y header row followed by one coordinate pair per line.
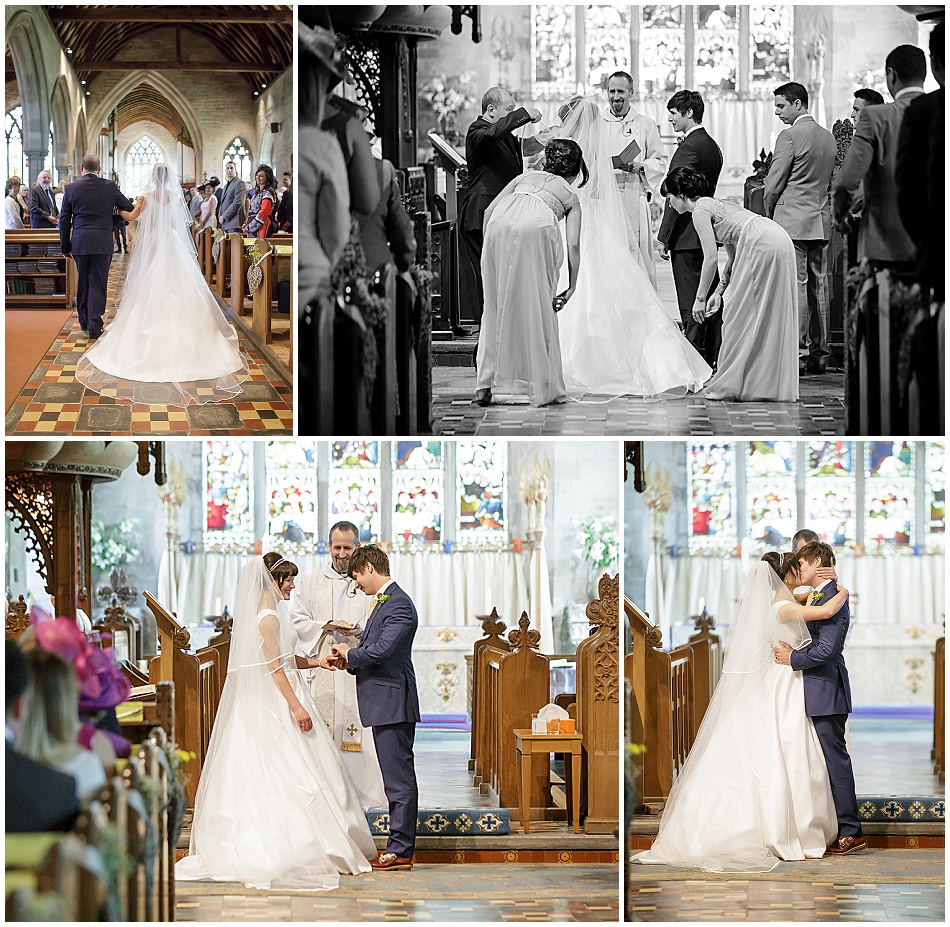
x,y
54,403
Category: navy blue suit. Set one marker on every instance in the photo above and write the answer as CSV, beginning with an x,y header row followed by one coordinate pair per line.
x,y
39,798
389,704
85,232
828,704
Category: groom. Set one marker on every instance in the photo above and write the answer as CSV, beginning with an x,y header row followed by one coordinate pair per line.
x,y
85,233
828,693
387,696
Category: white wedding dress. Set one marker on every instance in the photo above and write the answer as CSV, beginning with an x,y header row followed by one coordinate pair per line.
x,y
616,336
275,806
169,342
754,789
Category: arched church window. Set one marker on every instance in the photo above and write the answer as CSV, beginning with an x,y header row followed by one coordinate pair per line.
x,y
13,131
482,493
142,157
418,492
228,496
240,154
293,492
831,502
355,486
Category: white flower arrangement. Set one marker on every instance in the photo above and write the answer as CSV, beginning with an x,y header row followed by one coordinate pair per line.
x,y
598,540
449,95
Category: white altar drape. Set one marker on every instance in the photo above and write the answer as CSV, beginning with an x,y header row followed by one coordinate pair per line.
x,y
897,590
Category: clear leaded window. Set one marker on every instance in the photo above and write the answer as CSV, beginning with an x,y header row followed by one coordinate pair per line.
x,y
13,130
142,157
240,154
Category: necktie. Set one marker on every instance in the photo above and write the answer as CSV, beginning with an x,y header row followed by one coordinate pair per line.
x,y
811,598
52,202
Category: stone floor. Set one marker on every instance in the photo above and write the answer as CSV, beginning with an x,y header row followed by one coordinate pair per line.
x,y
54,403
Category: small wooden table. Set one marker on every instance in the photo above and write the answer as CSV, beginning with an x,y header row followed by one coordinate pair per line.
x,y
530,744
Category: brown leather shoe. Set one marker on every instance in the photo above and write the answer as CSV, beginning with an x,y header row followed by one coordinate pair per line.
x,y
845,845
385,862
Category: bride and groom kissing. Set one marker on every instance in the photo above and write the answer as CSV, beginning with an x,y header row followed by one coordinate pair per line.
x,y
769,776
276,805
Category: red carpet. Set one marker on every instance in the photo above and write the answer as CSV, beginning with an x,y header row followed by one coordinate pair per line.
x,y
29,334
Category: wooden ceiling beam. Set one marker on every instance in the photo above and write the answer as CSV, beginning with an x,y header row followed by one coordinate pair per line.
x,y
256,67
164,14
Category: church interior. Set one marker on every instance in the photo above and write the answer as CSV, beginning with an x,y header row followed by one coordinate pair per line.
x,y
418,75
189,86
697,517
512,564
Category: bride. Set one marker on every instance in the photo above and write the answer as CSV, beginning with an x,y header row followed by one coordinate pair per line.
x,y
275,805
168,327
754,788
616,336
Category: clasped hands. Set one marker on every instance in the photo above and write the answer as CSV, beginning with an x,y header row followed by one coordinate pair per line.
x,y
703,310
336,658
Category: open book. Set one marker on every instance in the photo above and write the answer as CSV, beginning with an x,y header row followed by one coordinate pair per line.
x,y
342,628
627,156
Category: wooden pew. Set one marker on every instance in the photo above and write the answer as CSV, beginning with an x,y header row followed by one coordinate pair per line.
x,y
494,628
708,656
150,762
275,253
198,685
598,710
123,631
125,810
940,710
74,871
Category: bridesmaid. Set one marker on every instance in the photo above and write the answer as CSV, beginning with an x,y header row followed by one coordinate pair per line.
x,y
518,347
757,293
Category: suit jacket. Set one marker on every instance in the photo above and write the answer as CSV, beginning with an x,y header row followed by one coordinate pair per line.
x,y
827,688
39,798
232,205
40,208
700,152
382,663
493,157
796,187
872,158
387,234
85,225
920,185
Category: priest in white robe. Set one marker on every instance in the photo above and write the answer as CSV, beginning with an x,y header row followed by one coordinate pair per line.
x,y
319,598
641,180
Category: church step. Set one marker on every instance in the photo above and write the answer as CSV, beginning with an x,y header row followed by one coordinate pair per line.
x,y
879,837
455,353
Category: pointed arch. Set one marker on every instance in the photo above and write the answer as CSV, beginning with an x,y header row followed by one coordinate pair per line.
x,y
64,127
79,145
31,81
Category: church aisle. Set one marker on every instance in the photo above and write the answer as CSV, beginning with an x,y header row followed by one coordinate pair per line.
x,y
53,403
478,892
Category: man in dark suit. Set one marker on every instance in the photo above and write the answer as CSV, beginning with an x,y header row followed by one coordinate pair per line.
x,y
677,235
828,693
85,232
493,157
387,696
232,202
39,798
43,211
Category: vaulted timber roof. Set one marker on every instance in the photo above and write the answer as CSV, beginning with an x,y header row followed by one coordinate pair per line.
x,y
145,102
254,41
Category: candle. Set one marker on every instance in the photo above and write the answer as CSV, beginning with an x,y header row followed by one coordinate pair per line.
x,y
702,605
217,605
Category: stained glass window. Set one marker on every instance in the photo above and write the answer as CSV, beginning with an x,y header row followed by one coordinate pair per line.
x,y
936,488
830,492
552,51
607,41
889,493
662,51
355,486
483,517
713,511
771,28
717,48
417,491
142,157
292,492
228,497
771,503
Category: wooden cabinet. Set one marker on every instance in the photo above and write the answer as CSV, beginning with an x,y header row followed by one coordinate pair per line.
x,y
37,274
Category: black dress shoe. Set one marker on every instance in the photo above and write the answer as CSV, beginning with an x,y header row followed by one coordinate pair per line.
x,y
812,366
483,397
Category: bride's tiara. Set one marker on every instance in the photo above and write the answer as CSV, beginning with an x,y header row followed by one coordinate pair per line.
x,y
276,564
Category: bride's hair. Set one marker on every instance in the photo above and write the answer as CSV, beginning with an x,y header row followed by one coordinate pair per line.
x,y
279,568
563,157
781,563
685,182
160,174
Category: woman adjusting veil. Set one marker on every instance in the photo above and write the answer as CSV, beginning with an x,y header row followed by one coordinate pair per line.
x,y
168,329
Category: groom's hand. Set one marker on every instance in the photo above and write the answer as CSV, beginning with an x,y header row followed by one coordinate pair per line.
x,y
782,653
338,656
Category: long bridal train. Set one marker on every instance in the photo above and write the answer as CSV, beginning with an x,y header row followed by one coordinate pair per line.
x,y
169,342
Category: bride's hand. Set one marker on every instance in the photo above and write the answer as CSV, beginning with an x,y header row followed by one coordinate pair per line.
x,y
303,719
841,588
713,304
561,300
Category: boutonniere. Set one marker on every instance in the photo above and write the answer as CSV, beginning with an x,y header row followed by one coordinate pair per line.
x,y
383,598
816,597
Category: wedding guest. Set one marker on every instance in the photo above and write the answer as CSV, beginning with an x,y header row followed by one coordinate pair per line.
x,y
872,157
757,295
387,234
285,211
260,214
518,348
118,231
14,208
38,797
637,179
50,732
207,214
796,196
232,203
863,97
196,200
677,236
493,159
44,213
344,120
